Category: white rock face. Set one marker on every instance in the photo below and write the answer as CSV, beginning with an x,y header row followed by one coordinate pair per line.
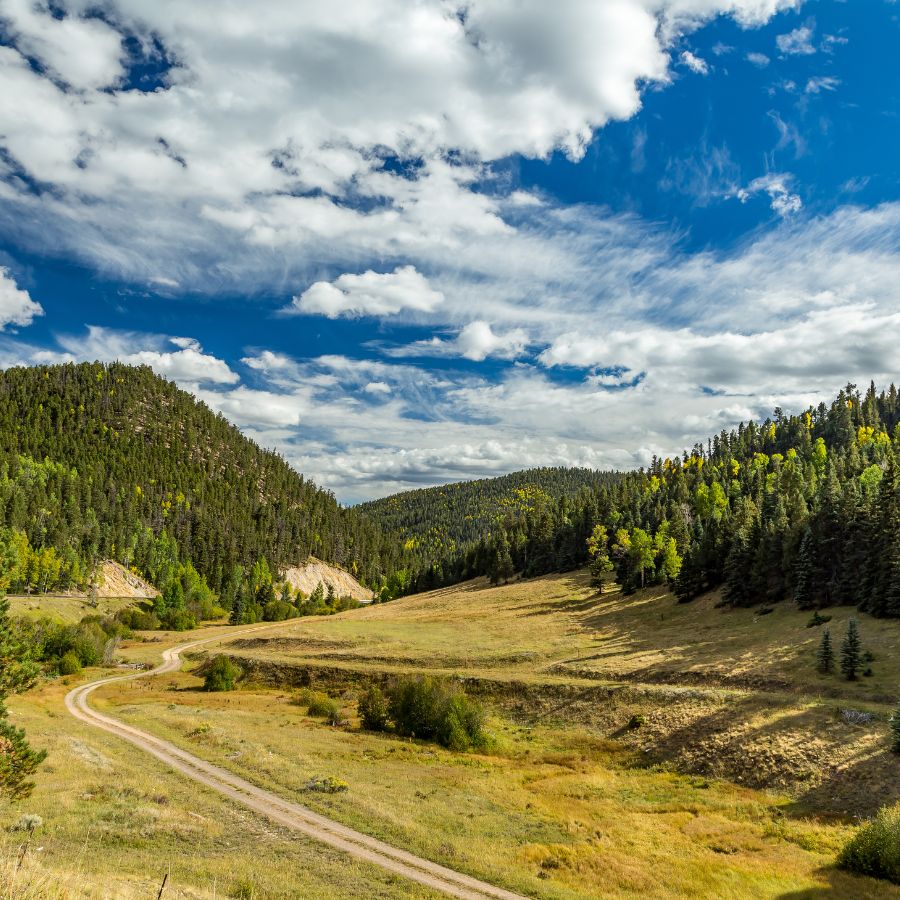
x,y
305,578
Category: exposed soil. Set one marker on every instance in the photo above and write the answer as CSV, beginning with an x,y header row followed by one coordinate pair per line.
x,y
306,577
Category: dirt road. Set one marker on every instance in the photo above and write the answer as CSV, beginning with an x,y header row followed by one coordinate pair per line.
x,y
284,812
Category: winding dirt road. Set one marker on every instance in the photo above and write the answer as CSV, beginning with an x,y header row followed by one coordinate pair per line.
x,y
284,812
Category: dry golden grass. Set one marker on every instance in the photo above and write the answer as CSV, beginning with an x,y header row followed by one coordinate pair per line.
x,y
550,811
561,626
116,821
68,610
567,802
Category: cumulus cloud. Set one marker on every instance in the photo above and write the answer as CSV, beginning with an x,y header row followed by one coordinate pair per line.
x,y
777,186
760,60
188,365
369,294
16,306
797,42
476,341
695,63
290,138
83,53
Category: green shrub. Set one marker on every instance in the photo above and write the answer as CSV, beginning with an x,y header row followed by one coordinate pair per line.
x,y
875,849
638,720
321,705
430,709
220,675
278,611
178,620
137,619
325,785
373,709
70,664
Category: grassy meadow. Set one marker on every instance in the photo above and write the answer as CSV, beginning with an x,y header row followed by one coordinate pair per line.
x,y
638,749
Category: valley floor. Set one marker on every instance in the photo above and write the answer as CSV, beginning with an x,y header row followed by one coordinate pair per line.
x,y
640,748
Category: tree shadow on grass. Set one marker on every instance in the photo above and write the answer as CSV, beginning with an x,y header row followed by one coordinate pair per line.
x,y
843,885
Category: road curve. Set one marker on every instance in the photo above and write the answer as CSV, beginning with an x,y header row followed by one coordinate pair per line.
x,y
284,812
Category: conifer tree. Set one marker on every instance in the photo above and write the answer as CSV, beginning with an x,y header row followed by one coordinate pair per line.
x,y
18,761
851,656
895,730
237,609
803,574
825,655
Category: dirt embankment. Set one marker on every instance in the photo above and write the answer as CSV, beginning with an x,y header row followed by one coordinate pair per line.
x,y
114,580
818,753
306,577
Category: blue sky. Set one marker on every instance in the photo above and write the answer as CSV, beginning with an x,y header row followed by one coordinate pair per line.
x,y
412,242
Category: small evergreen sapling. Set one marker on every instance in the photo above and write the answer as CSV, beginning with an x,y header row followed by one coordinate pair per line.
x,y
825,656
895,730
851,655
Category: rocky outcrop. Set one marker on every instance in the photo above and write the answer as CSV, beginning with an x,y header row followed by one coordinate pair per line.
x,y
306,577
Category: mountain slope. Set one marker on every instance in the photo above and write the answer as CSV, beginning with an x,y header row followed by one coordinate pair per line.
x,y
112,461
799,507
440,525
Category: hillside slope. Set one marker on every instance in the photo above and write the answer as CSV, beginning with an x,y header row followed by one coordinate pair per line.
x,y
313,572
443,527
112,461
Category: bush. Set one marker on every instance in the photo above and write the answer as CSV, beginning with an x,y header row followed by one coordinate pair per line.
x,y
325,785
433,710
220,675
373,709
321,705
178,620
138,619
817,619
278,611
875,849
70,664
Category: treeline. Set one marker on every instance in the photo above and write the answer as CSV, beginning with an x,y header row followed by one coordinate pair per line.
x,y
111,461
803,508
450,533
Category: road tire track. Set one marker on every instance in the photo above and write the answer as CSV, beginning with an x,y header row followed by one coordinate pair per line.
x,y
285,812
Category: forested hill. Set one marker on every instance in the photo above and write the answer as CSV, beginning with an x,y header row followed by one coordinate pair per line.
x,y
802,508
111,461
442,527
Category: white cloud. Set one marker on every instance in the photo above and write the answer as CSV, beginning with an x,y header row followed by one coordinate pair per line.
x,y
797,42
369,294
778,187
260,156
16,305
695,63
188,365
85,53
377,387
475,341
760,60
820,83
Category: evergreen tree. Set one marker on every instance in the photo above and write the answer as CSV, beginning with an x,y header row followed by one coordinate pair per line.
x,y
502,568
238,609
803,575
895,730
851,656
825,655
18,761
